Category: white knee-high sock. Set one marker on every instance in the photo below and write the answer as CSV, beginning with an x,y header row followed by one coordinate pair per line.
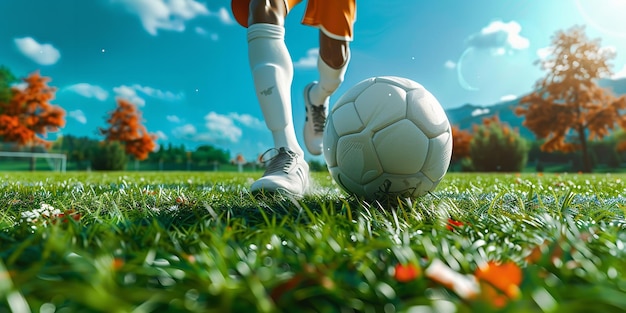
x,y
330,79
272,72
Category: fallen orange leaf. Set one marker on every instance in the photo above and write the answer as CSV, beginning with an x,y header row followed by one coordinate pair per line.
x,y
505,277
453,224
406,272
118,263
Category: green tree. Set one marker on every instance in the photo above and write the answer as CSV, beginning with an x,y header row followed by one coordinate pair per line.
x,y
176,154
605,152
6,80
495,147
207,154
109,156
77,149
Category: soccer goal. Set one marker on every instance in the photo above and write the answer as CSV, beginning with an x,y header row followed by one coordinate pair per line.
x,y
56,161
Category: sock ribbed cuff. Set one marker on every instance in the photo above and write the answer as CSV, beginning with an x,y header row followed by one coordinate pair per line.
x,y
265,30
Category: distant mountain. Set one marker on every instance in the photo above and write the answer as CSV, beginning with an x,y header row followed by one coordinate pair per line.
x,y
617,85
469,114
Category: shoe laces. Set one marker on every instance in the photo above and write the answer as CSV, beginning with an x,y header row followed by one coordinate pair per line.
x,y
278,160
318,113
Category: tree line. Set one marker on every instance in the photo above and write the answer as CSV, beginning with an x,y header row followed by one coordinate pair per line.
x,y
568,112
27,116
89,153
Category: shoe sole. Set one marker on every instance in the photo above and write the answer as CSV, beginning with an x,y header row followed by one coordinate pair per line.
x,y
278,193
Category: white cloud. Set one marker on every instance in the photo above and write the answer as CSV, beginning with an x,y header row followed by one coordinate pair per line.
x,y
479,111
20,86
308,61
545,52
79,116
190,132
43,54
159,94
248,120
187,131
186,9
173,118
161,135
450,64
620,74
130,94
201,31
222,127
164,14
223,15
499,37
135,92
205,33
217,128
508,97
89,91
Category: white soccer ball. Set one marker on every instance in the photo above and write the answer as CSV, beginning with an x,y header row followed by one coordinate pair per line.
x,y
387,137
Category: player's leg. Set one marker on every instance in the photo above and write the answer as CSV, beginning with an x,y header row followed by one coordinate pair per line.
x,y
335,19
272,72
272,69
332,63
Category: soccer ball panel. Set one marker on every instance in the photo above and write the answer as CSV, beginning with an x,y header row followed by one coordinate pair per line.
x,y
426,112
330,142
347,183
438,158
401,148
401,82
346,120
354,157
380,105
353,93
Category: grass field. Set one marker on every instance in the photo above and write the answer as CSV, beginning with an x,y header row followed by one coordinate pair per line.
x,y
198,242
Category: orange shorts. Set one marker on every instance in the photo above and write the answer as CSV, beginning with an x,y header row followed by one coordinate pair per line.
x,y
334,17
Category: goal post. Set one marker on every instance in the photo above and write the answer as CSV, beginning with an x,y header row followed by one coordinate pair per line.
x,y
57,161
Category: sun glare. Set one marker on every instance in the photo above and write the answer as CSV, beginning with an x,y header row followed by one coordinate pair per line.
x,y
606,16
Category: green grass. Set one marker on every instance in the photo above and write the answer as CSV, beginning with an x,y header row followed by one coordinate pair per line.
x,y
198,242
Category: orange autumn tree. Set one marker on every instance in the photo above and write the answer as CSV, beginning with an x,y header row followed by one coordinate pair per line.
x,y
568,107
125,126
461,140
28,115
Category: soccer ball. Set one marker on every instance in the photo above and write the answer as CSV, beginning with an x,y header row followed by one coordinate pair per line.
x,y
387,137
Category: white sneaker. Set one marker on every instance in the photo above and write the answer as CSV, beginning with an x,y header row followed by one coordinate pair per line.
x,y
314,122
286,172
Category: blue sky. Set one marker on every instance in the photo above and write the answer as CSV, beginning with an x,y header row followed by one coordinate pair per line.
x,y
184,62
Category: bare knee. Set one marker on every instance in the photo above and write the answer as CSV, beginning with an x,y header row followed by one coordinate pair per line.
x,y
334,52
267,11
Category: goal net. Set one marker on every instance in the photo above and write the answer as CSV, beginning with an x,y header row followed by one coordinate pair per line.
x,y
20,160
